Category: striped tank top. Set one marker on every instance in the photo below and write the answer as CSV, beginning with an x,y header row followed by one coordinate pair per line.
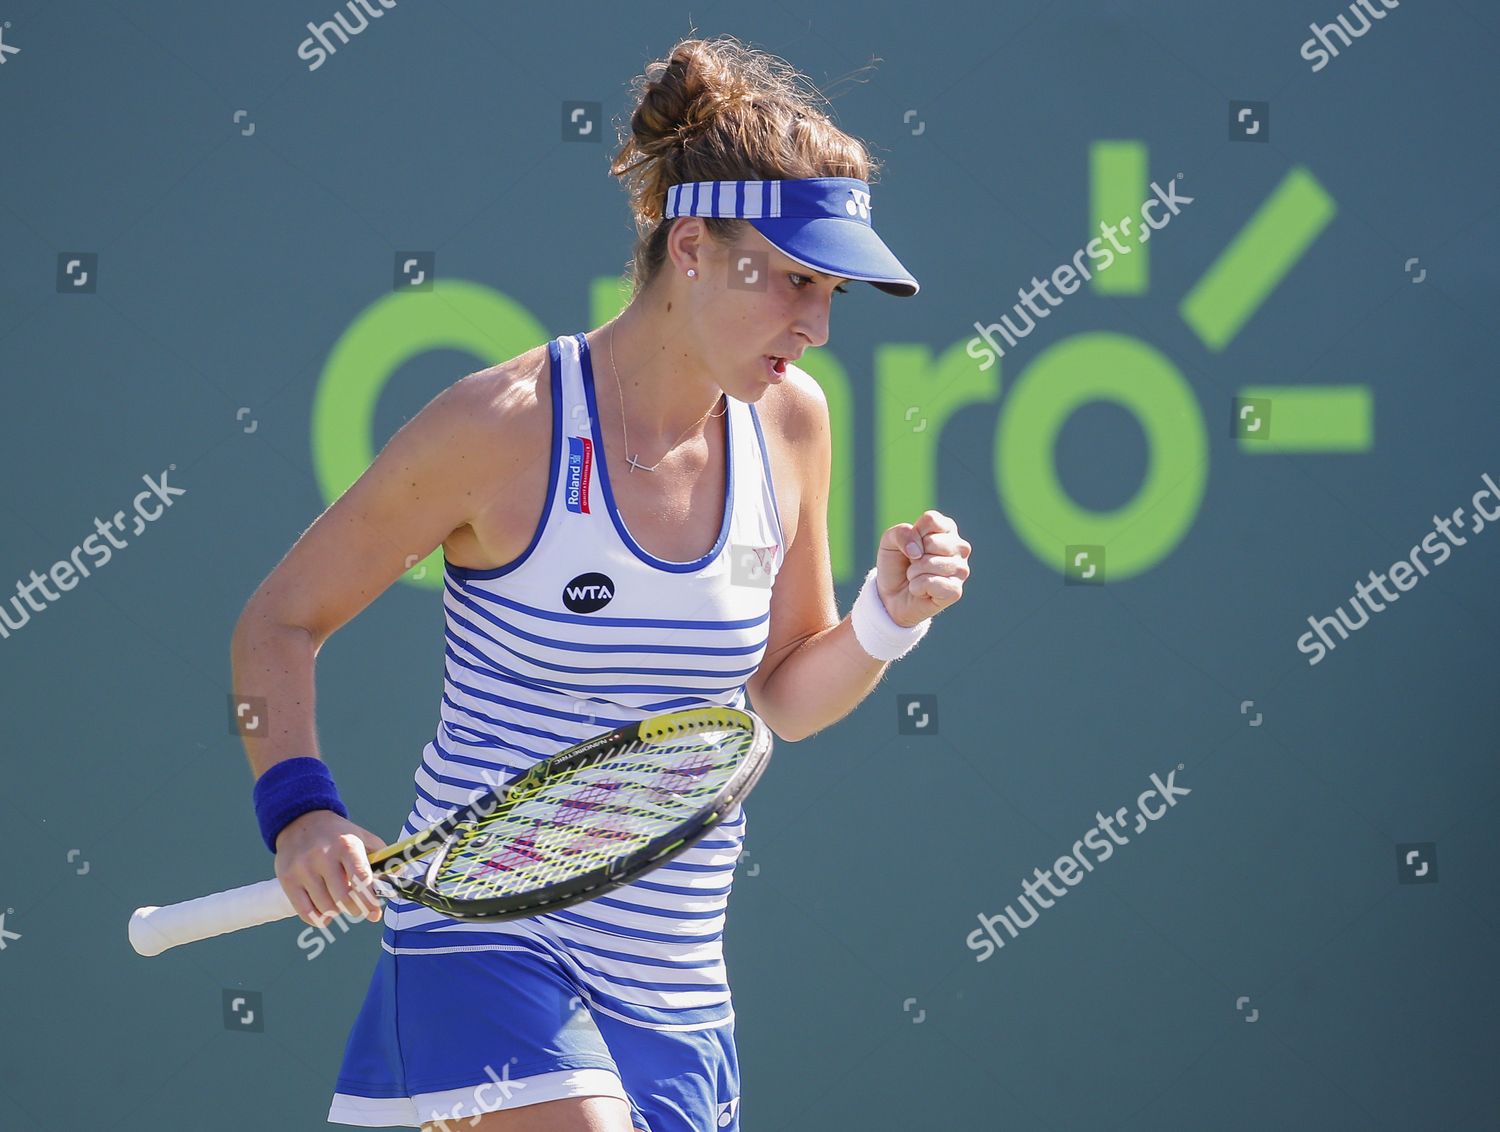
x,y
585,631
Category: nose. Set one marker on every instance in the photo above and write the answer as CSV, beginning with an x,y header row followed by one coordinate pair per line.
x,y
813,319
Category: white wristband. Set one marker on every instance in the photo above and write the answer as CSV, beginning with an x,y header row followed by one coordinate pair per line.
x,y
874,628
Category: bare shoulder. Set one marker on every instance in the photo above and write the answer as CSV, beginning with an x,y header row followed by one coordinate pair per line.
x,y
501,419
488,417
794,417
798,407
507,395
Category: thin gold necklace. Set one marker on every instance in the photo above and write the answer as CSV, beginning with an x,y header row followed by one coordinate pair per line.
x,y
634,464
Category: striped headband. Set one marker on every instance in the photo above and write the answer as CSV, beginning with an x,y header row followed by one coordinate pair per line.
x,y
821,222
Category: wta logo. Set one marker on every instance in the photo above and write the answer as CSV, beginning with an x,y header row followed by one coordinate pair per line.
x,y
580,465
588,593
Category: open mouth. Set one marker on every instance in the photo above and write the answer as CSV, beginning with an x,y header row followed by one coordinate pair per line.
x,y
776,366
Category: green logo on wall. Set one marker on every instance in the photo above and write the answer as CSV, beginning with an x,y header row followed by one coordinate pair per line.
x,y
914,394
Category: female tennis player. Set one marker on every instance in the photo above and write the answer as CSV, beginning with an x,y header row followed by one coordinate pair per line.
x,y
633,519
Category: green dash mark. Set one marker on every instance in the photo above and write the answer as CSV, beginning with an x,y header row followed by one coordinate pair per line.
x,y
1317,418
1257,259
1117,188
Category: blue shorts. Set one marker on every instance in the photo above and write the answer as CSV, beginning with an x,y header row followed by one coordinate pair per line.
x,y
446,1036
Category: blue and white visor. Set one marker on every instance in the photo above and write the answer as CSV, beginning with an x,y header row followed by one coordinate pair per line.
x,y
821,222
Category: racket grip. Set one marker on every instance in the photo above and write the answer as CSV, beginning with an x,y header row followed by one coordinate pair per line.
x,y
154,930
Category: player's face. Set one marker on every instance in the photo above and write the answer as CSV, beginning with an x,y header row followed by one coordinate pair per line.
x,y
760,304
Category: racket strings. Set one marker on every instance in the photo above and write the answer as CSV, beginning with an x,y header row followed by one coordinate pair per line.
x,y
583,819
588,823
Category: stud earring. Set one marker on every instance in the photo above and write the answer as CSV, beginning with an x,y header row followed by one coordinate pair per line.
x,y
692,273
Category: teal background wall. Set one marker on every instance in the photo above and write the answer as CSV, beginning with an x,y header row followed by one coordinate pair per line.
x,y
1304,941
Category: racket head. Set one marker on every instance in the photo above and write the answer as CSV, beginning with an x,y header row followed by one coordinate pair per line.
x,y
588,819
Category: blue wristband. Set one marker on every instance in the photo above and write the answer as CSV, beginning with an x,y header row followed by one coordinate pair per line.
x,y
290,789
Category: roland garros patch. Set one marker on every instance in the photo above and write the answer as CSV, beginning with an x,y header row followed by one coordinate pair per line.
x,y
580,467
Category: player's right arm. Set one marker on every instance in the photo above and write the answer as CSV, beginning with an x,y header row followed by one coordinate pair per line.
x,y
430,479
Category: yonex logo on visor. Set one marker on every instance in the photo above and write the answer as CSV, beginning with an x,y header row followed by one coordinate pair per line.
x,y
821,222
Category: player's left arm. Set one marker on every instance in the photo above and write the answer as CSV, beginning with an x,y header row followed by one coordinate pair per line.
x,y
814,671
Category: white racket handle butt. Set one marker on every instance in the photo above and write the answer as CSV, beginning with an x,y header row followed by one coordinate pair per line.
x,y
154,930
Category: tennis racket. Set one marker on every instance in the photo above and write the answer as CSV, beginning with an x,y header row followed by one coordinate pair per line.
x,y
586,820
